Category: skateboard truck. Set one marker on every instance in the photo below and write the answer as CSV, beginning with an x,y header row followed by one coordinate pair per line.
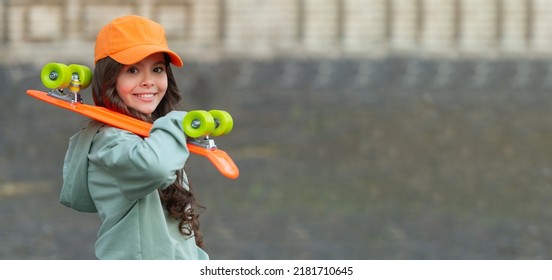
x,y
206,143
73,96
61,78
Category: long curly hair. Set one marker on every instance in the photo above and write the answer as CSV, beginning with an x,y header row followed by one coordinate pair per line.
x,y
179,202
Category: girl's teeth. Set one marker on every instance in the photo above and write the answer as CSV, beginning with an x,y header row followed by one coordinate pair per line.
x,y
145,95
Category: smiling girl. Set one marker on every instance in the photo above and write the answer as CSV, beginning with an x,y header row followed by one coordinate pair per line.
x,y
142,86
137,185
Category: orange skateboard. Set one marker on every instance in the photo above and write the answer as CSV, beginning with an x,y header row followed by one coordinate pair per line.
x,y
65,83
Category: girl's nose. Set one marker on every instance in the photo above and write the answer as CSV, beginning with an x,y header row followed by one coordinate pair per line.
x,y
148,83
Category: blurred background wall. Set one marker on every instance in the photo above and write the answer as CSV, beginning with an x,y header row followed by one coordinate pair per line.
x,y
212,30
364,129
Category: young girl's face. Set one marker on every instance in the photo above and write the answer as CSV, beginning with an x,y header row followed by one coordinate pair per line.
x,y
142,86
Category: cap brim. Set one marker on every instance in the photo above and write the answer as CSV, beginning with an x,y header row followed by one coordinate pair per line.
x,y
135,54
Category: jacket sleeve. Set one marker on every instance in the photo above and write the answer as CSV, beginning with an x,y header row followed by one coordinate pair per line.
x,y
142,165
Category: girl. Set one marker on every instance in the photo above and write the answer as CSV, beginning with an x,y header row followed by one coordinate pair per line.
x,y
136,185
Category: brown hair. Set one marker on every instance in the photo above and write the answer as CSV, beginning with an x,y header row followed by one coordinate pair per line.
x,y
179,202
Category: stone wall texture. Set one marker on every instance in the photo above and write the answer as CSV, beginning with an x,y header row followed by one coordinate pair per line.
x,y
39,31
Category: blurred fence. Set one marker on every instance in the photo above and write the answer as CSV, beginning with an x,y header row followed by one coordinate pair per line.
x,y
39,31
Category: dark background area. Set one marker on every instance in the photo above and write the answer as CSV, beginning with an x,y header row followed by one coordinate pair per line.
x,y
391,158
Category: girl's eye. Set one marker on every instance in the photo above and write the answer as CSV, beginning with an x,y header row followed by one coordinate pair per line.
x,y
132,70
159,69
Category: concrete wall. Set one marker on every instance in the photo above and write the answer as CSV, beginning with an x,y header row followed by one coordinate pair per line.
x,y
39,31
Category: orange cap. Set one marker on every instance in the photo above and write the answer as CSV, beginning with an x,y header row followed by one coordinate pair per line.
x,y
130,39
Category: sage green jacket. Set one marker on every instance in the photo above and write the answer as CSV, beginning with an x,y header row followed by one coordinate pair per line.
x,y
117,174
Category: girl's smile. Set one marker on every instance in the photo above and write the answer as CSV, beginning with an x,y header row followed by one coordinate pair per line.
x,y
142,86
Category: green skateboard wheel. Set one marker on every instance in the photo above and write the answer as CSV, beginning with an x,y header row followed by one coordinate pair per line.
x,y
198,123
84,73
223,122
55,75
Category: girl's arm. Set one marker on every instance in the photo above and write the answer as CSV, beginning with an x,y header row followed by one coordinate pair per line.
x,y
142,165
